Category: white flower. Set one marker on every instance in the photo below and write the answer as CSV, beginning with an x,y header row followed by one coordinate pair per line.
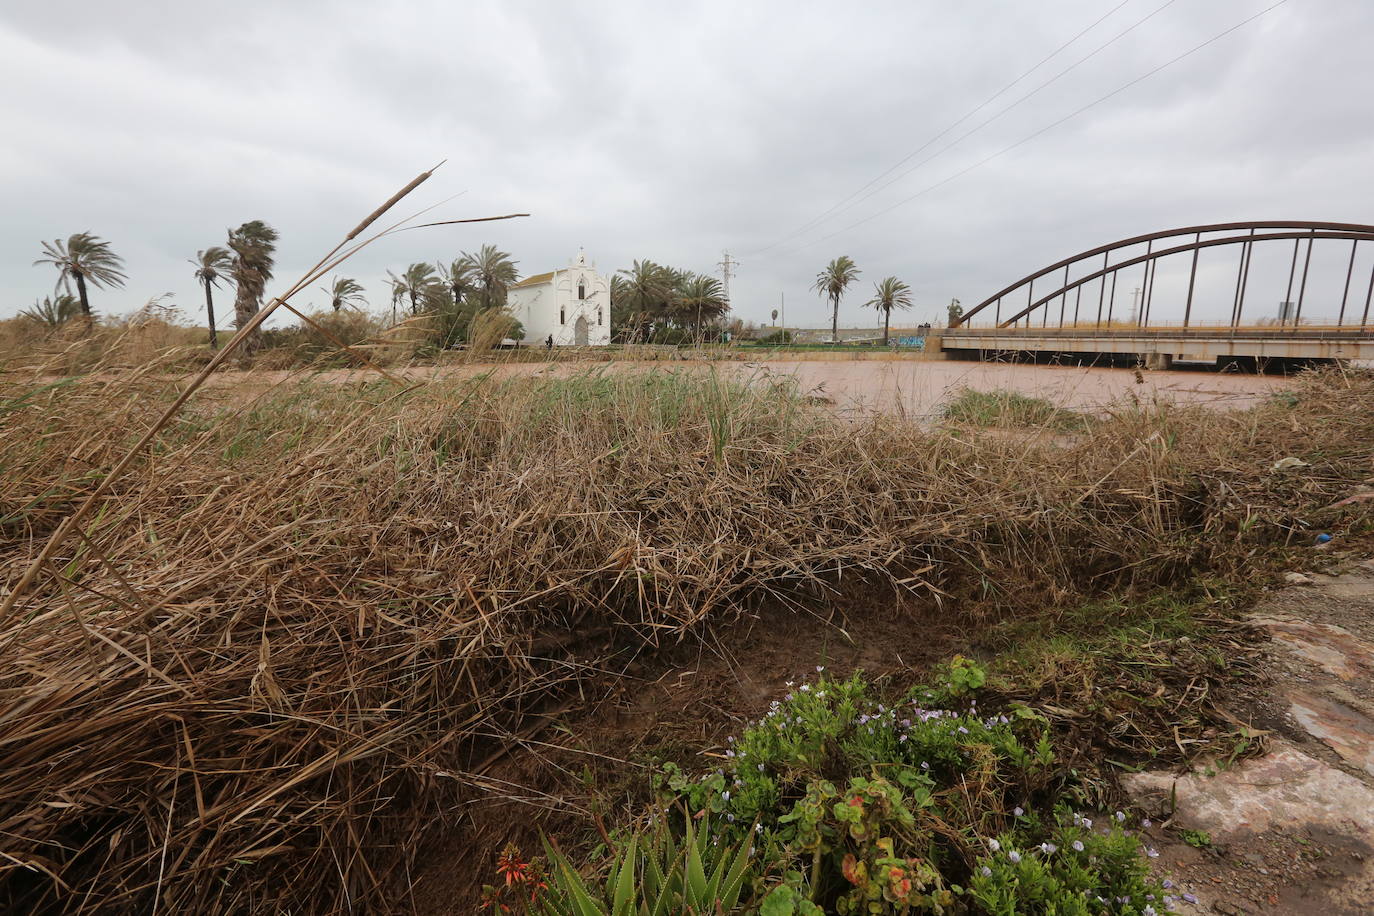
x,y
994,845
1014,856
987,872
805,688
1078,845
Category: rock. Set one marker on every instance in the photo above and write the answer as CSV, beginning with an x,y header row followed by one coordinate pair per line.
x,y
1334,649
1297,578
1346,731
1285,788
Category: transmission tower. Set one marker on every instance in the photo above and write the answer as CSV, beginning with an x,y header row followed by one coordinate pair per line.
x,y
727,267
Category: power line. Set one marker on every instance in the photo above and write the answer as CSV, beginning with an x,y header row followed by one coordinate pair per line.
x,y
970,113
1045,85
1024,140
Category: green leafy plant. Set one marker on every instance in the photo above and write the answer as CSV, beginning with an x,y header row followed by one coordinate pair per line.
x,y
655,874
874,808
1198,839
1075,870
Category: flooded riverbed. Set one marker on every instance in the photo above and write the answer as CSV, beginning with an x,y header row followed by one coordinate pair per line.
x,y
914,388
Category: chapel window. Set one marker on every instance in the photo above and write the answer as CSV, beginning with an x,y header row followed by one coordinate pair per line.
x,y
562,316
581,290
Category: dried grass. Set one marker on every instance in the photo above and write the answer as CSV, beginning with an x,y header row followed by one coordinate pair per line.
x,y
259,676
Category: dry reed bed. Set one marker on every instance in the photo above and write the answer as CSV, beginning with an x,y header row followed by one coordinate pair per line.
x,y
260,680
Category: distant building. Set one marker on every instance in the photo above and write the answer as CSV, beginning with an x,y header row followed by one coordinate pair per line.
x,y
571,305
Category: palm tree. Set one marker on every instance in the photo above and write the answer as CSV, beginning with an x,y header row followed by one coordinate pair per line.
x,y
212,265
700,296
832,282
83,257
253,244
398,293
460,277
494,271
888,294
344,291
641,295
413,284
53,312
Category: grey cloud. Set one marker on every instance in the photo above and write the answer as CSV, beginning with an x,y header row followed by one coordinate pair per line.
x,y
667,131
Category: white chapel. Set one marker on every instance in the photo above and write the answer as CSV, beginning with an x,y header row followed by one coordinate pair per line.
x,y
571,305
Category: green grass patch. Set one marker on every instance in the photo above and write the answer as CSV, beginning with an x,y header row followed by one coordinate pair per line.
x,y
1009,408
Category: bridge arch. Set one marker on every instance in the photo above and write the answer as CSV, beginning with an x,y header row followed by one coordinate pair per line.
x,y
1118,256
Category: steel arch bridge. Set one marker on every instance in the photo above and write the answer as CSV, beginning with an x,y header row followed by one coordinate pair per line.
x,y
1062,285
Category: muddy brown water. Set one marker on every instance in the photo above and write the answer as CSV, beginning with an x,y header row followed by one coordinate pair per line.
x,y
915,388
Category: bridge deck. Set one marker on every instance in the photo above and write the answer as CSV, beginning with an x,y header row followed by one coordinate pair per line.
x,y
1156,345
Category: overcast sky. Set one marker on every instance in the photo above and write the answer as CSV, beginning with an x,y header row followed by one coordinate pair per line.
x,y
672,132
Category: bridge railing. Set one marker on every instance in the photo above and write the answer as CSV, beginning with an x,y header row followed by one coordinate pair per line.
x,y
1064,283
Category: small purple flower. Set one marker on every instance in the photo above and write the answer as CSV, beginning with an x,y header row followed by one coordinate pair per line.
x,y
1018,811
1168,884
1152,852
994,845
1077,845
986,872
760,768
1189,898
820,668
924,765
1147,823
1014,856
1087,823
1120,817
1048,848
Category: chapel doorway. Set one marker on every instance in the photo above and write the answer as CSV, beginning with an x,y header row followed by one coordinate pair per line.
x,y
580,331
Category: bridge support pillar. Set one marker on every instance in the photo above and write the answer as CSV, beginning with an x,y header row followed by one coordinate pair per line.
x,y
1157,360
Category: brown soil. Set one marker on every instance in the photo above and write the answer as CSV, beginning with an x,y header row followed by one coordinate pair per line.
x,y
588,765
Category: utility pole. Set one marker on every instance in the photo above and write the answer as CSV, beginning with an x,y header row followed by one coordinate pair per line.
x,y
782,302
1135,294
727,267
